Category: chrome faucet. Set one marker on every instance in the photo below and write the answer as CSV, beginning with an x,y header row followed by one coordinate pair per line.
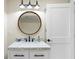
x,y
29,38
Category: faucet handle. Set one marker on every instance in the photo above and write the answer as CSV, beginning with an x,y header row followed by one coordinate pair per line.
x,y
33,39
18,39
25,39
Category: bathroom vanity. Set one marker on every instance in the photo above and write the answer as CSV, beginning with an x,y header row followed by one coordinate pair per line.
x,y
29,50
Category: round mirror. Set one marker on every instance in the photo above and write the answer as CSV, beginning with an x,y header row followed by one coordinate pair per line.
x,y
29,23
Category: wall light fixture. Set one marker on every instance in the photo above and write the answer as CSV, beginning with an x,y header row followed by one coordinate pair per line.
x,y
29,5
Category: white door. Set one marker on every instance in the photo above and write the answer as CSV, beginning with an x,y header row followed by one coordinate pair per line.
x,y
58,22
60,30
61,51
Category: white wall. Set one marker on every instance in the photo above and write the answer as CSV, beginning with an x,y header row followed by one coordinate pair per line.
x,y
11,14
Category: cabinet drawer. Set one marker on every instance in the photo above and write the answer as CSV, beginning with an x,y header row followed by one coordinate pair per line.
x,y
17,54
39,54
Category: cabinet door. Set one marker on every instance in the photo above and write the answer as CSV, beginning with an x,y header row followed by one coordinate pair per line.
x,y
61,51
58,21
18,54
39,54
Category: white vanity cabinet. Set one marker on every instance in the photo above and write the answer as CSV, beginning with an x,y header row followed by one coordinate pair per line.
x,y
28,54
28,50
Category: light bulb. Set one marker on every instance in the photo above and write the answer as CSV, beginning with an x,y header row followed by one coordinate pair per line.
x,y
22,6
36,7
29,7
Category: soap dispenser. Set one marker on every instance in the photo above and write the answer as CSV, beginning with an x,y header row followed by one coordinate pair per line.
x,y
38,38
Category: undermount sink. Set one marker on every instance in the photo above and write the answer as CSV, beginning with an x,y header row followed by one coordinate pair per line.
x,y
35,44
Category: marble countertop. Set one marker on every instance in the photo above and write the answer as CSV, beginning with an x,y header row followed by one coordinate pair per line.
x,y
35,44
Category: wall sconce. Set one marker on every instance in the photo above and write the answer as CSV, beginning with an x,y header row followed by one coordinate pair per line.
x,y
29,5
